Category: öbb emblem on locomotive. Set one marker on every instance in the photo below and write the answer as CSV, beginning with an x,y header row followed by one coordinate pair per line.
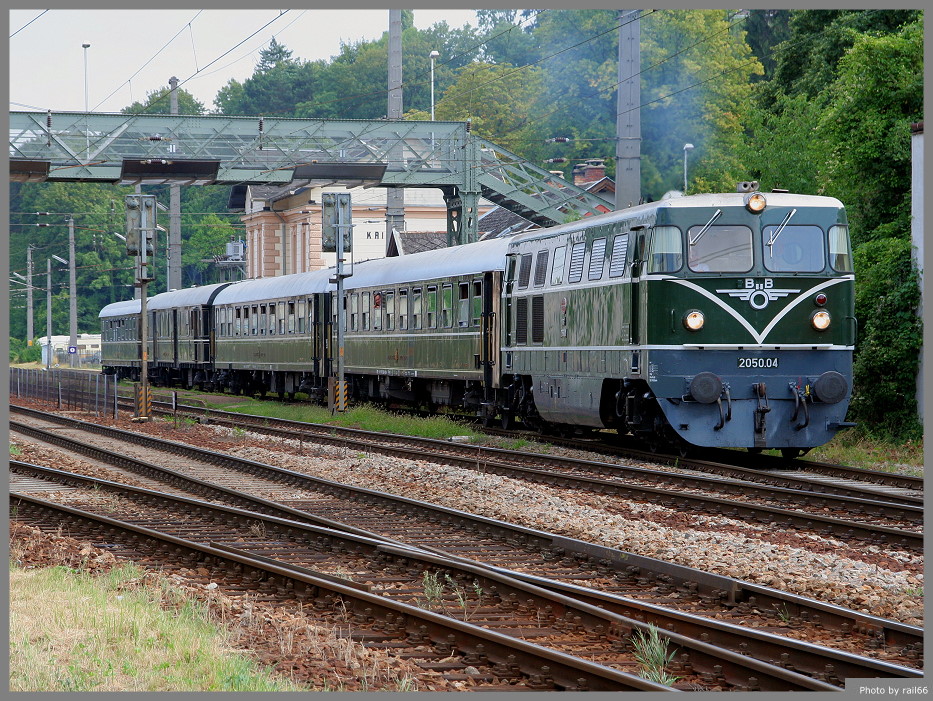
x,y
758,294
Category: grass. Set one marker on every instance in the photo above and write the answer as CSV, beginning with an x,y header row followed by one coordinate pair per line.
x,y
71,631
858,450
652,654
15,450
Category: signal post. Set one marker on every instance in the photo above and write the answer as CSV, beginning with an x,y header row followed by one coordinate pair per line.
x,y
140,242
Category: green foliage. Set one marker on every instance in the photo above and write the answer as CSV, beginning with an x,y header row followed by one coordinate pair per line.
x,y
20,352
877,95
160,102
889,340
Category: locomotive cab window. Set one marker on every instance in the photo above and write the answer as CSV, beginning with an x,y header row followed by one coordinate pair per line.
x,y
666,250
719,249
840,249
793,249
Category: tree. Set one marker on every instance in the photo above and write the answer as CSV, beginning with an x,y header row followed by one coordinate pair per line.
x,y
499,100
159,101
206,239
272,56
877,95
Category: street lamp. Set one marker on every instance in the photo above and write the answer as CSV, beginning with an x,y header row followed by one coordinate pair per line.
x,y
687,149
433,55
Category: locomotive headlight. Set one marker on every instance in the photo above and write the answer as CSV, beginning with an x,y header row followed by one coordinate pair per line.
x,y
694,320
820,320
755,202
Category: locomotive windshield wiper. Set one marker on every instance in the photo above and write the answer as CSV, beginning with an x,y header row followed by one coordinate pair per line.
x,y
705,228
778,232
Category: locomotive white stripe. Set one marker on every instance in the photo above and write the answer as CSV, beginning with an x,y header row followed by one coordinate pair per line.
x,y
759,337
687,346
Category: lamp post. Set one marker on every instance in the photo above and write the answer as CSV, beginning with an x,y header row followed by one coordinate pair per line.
x,y
72,287
48,304
687,149
87,132
433,55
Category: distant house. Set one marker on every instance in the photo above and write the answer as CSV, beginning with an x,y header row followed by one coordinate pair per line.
x,y
283,225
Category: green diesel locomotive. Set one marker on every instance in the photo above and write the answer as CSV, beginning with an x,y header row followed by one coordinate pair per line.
x,y
711,320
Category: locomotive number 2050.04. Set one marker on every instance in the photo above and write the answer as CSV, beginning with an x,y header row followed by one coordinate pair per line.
x,y
758,362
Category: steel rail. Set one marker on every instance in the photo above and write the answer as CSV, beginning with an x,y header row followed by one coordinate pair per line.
x,y
731,590
598,610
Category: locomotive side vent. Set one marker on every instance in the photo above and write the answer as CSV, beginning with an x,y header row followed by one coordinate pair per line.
x,y
537,319
521,320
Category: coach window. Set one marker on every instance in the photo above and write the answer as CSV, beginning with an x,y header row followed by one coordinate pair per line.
x,y
390,310
416,308
524,270
447,304
597,260
666,250
577,254
557,269
355,311
237,315
365,311
403,310
291,317
281,317
840,250
477,302
254,319
463,304
378,310
301,315
793,249
431,307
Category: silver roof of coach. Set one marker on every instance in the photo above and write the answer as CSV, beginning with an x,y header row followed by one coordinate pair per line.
x,y
129,306
468,259
282,286
188,297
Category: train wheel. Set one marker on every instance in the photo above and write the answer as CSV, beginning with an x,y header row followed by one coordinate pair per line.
x,y
507,420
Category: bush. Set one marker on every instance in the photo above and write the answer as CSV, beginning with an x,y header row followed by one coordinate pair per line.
x,y
887,350
21,353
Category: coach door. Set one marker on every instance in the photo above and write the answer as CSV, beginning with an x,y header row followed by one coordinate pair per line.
x,y
640,235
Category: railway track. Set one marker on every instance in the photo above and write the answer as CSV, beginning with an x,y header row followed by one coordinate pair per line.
x,y
865,518
477,539
588,625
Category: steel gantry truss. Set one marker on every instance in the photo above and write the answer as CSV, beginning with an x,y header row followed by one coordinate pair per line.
x,y
200,150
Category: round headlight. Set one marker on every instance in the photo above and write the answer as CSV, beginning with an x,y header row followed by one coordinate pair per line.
x,y
820,320
755,202
694,320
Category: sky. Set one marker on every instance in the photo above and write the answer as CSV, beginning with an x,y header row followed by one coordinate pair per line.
x,y
133,52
